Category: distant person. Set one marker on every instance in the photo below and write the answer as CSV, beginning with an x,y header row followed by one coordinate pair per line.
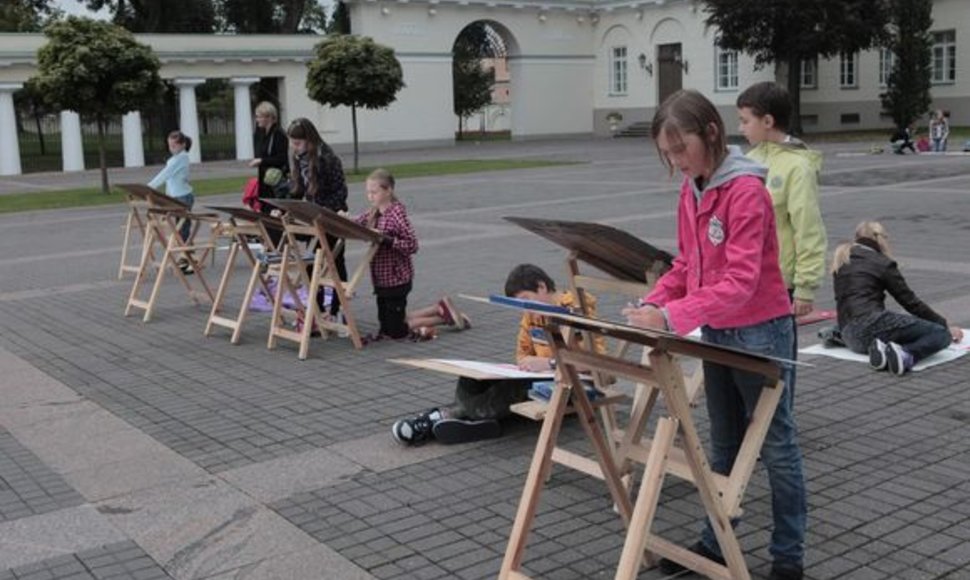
x,y
392,268
175,177
317,175
902,140
864,271
270,146
939,131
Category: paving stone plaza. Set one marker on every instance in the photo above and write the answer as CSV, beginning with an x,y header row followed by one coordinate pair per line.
x,y
147,451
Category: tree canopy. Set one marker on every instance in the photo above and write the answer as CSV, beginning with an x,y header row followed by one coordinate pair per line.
x,y
25,15
355,72
796,31
471,82
155,16
97,69
907,96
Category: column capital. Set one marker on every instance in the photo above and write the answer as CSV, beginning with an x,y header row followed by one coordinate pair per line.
x,y
243,81
11,86
188,82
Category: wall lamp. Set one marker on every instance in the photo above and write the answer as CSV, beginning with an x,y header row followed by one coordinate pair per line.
x,y
647,66
684,65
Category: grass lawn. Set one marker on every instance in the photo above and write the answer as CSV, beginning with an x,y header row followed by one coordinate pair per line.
x,y
84,197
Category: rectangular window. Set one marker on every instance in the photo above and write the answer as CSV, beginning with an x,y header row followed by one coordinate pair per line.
x,y
886,62
809,76
850,118
727,69
618,71
847,71
944,57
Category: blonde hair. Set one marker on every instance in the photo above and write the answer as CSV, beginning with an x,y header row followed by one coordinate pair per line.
x,y
868,230
688,111
267,109
385,180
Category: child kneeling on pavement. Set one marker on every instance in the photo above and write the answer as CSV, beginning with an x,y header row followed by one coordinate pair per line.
x,y
480,404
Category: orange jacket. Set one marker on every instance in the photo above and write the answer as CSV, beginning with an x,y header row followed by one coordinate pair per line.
x,y
532,336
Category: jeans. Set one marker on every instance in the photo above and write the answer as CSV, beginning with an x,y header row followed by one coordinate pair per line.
x,y
918,337
186,229
479,400
731,398
938,145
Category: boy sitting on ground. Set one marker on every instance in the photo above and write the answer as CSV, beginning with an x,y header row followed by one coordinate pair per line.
x,y
480,404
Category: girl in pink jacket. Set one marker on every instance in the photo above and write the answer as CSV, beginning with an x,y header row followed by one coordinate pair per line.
x,y
727,281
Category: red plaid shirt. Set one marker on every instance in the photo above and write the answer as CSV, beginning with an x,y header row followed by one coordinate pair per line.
x,y
392,264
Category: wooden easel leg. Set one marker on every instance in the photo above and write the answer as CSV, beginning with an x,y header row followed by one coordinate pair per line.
x,y
254,277
675,397
647,498
223,287
538,470
276,320
124,245
146,260
754,438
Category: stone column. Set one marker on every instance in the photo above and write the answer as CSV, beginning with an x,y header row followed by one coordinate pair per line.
x,y
72,147
131,135
189,115
9,145
244,117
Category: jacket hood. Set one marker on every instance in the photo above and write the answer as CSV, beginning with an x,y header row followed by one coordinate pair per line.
x,y
734,165
792,145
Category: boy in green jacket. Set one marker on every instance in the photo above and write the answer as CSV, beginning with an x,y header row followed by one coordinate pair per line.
x,y
764,113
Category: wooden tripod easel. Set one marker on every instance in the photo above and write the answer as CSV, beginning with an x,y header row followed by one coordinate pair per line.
x,y
163,229
313,222
244,226
138,204
720,495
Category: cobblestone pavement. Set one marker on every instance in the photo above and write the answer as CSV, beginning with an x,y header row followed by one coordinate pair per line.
x,y
133,450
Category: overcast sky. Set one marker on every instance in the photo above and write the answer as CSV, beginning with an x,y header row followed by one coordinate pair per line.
x,y
74,7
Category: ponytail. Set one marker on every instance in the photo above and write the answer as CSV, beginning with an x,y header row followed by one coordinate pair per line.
x,y
181,138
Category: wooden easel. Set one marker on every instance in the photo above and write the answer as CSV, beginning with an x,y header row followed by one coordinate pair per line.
x,y
720,495
244,225
138,204
311,221
164,219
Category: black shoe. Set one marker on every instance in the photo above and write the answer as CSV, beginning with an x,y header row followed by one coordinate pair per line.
x,y
786,571
417,430
899,361
670,567
452,431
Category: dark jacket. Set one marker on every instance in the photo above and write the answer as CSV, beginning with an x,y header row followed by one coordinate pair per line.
x,y
331,190
861,286
272,148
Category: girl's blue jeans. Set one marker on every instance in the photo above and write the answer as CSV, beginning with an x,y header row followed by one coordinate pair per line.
x,y
731,398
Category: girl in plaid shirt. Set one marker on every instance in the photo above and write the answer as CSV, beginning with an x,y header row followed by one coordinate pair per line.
x,y
392,269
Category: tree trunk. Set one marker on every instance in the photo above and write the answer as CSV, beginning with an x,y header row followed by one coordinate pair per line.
x,y
460,124
794,92
353,118
101,155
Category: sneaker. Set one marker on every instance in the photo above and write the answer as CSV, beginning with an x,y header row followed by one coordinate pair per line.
x,y
185,266
786,571
877,355
466,322
900,362
410,432
423,334
452,431
448,311
670,567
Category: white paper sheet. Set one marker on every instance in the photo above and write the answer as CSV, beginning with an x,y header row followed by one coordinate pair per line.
x,y
953,352
509,371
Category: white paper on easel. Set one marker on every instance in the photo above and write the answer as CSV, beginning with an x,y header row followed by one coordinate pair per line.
x,y
508,371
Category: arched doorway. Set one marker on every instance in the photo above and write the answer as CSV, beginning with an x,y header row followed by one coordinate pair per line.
x,y
481,82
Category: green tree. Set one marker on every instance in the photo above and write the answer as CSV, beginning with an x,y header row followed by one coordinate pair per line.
x,y
25,15
354,71
907,95
158,16
272,16
97,69
471,83
796,31
339,22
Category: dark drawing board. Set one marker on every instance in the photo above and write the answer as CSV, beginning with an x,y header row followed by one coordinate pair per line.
x,y
248,215
335,224
156,198
618,253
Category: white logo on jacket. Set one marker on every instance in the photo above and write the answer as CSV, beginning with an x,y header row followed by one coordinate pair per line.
x,y
715,231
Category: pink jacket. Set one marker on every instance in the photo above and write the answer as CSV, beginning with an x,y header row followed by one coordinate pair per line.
x,y
727,273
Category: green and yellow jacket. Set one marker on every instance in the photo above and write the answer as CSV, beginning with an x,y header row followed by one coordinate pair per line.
x,y
793,171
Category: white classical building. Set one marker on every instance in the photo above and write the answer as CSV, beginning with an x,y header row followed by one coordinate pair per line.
x,y
570,62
